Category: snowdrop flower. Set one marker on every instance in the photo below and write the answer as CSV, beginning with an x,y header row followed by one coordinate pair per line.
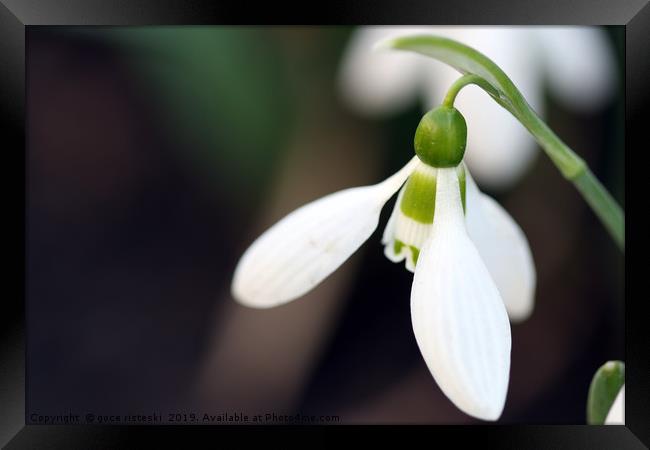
x,y
577,63
471,261
616,414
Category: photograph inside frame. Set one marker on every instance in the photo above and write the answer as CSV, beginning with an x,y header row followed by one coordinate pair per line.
x,y
325,225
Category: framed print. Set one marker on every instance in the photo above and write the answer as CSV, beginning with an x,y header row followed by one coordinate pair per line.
x,y
412,217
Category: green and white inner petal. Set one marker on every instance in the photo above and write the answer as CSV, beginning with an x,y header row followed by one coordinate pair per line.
x,y
411,221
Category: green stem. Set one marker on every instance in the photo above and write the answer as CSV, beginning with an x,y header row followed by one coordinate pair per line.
x,y
463,81
572,167
604,205
576,170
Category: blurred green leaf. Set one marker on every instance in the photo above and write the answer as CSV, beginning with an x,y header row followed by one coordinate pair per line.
x,y
222,87
604,388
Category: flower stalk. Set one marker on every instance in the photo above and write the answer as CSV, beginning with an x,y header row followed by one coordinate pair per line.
x,y
574,169
480,70
463,81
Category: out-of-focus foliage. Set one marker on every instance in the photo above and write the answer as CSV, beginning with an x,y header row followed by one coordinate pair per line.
x,y
217,86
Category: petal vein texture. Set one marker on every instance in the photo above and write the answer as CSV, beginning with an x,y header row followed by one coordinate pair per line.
x,y
459,320
301,250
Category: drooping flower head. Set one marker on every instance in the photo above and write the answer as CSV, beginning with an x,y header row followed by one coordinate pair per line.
x,y
472,264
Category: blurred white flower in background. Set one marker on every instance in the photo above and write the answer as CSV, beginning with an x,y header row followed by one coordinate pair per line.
x,y
576,63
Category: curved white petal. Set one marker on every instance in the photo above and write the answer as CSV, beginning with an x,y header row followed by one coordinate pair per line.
x,y
504,249
616,414
580,65
459,319
376,82
301,250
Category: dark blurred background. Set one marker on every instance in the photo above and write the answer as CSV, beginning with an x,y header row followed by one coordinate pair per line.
x,y
156,155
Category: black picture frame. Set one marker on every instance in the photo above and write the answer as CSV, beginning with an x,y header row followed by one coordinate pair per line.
x,y
17,15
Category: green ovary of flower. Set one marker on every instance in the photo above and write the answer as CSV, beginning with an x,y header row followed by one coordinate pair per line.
x,y
441,137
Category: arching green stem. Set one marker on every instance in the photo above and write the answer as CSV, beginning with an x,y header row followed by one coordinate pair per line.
x,y
463,81
570,164
480,70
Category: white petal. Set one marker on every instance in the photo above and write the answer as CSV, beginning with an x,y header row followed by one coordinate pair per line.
x,y
376,82
459,319
581,68
301,250
504,249
616,414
